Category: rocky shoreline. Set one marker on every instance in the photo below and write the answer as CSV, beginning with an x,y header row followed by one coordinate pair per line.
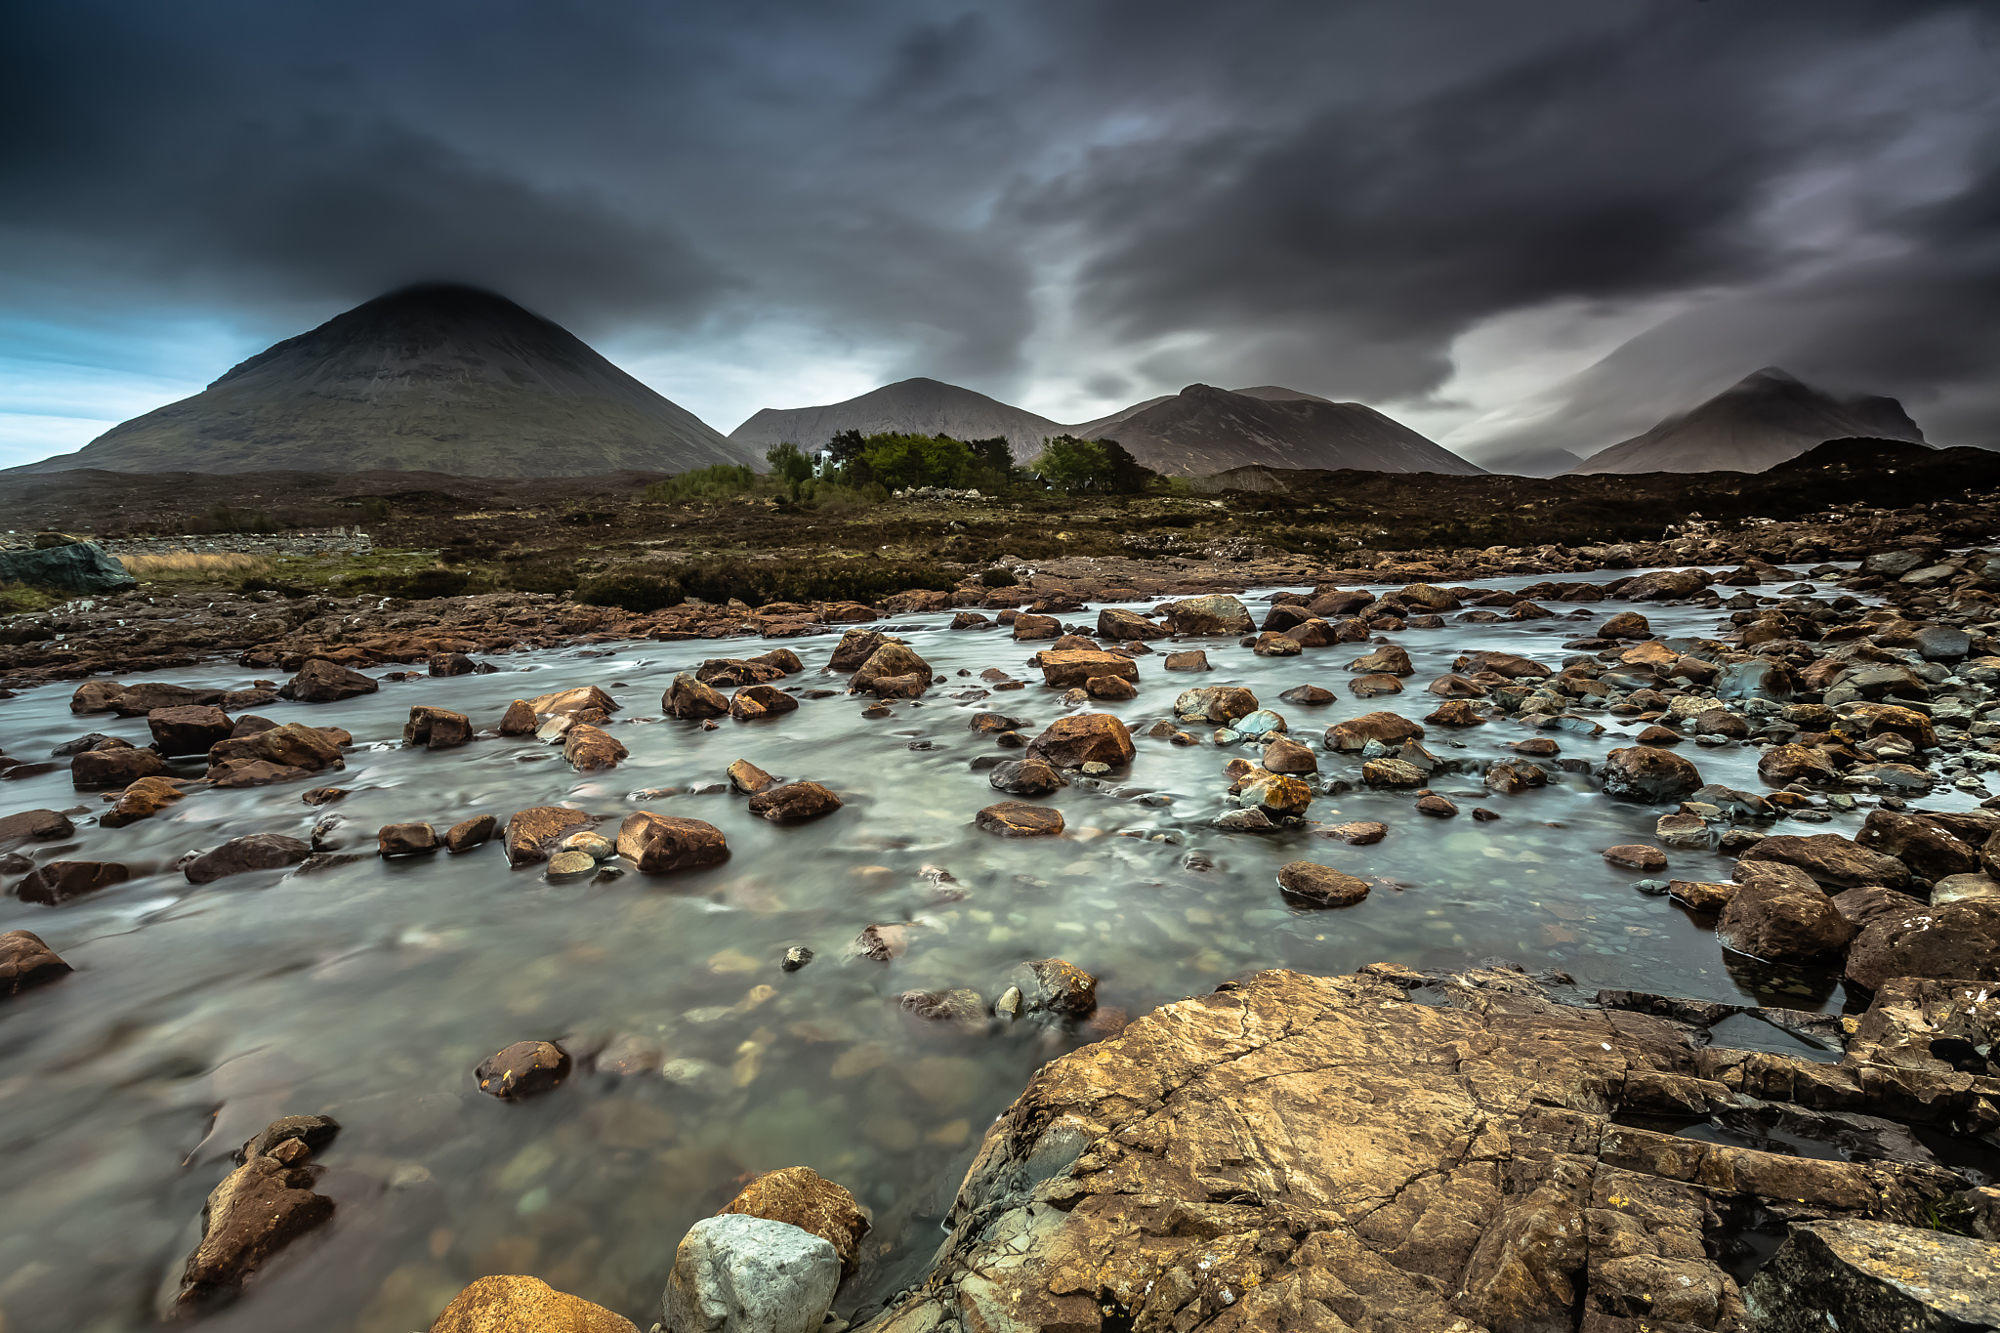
x,y
1390,1150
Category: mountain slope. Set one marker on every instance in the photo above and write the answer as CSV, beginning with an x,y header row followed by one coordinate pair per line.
x,y
1203,429
1761,420
435,378
915,407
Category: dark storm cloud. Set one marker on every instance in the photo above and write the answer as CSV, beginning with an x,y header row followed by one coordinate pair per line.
x,y
1057,202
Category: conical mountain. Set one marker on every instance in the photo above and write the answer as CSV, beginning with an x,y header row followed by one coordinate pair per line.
x,y
1760,421
1203,429
435,378
910,407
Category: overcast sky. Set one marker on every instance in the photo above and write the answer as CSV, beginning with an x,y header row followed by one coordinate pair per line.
x,y
1504,223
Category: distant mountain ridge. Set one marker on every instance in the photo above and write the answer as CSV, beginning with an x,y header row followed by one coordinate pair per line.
x,y
433,378
1760,421
1203,429
1199,430
913,407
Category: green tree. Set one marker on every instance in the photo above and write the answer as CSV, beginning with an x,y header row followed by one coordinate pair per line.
x,y
790,467
1097,466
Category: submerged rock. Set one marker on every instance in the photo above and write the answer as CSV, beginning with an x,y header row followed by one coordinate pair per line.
x,y
252,851
25,961
1313,885
56,882
1018,819
525,1069
259,1208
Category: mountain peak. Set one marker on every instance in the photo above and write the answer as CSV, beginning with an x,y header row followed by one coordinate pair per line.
x,y
1762,420
434,377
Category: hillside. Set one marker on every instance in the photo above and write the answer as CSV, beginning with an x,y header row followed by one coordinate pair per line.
x,y
916,407
1203,429
1756,423
435,378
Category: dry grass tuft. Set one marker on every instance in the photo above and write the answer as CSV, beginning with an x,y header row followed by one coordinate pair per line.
x,y
194,564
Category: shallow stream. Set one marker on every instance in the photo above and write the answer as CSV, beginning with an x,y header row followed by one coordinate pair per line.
x,y
369,990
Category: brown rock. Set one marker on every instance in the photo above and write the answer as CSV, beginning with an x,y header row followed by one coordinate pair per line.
x,y
1083,738
1636,856
34,826
514,1304
1782,765
1018,819
139,700
585,700
751,702
1389,660
533,833
450,664
749,779
793,802
279,754
518,720
142,800
1217,613
25,961
1310,884
1833,861
801,1196
1055,986
1645,773
56,882
95,696
319,682
1220,704
190,729
1191,659
660,844
252,851
1700,895
1454,713
110,770
1924,845
891,662
436,728
692,700
1781,922
1959,941
1356,732
470,833
406,840
1066,668
1360,833
591,749
525,1069
258,1209
1282,754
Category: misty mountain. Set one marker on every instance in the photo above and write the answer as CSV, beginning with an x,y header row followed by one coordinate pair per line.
x,y
1761,420
435,378
1203,429
1528,460
912,407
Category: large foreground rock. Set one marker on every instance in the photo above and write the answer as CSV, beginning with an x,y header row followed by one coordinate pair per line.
x,y
742,1274
1865,1276
1299,1153
26,961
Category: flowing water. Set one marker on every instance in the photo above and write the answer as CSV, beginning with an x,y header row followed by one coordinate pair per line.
x,y
369,990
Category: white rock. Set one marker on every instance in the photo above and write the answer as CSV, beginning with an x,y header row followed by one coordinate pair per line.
x,y
743,1274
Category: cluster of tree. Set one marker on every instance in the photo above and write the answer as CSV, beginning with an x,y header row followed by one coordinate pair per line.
x,y
857,466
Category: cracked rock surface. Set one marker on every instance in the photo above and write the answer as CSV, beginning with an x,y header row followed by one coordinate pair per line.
x,y
1396,1152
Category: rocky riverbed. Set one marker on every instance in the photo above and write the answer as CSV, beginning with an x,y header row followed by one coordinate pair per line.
x,y
422,952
